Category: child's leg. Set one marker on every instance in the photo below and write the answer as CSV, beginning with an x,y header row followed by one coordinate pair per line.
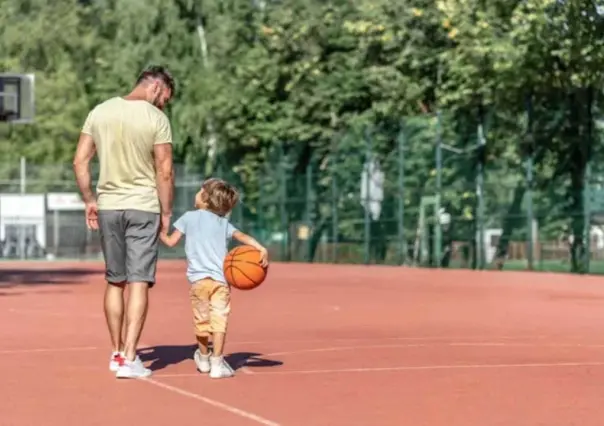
x,y
220,308
202,343
218,343
200,302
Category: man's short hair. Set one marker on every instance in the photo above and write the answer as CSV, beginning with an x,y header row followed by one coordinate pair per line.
x,y
159,72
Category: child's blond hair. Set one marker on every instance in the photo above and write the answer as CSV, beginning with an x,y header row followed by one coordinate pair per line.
x,y
217,196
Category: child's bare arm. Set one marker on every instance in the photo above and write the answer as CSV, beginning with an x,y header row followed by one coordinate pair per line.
x,y
170,240
246,239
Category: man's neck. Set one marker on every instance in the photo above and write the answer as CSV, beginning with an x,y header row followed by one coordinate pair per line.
x,y
135,95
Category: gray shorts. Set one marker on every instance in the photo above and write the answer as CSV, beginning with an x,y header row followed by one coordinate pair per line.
x,y
130,242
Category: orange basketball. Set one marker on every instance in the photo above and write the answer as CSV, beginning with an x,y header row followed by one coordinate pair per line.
x,y
242,268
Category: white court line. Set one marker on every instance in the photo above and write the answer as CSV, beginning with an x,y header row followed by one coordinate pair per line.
x,y
428,345
280,341
221,405
52,313
229,408
418,368
370,339
38,350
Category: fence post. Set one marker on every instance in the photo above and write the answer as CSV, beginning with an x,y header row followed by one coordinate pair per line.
x,y
23,175
309,200
529,209
529,183
439,165
587,219
402,246
367,218
334,207
282,203
480,196
260,208
23,190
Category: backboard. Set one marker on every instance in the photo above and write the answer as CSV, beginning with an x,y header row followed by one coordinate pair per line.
x,y
17,99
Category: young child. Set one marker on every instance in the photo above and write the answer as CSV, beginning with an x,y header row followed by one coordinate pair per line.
x,y
207,232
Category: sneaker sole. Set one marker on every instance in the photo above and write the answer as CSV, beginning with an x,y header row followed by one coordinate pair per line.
x,y
221,377
134,376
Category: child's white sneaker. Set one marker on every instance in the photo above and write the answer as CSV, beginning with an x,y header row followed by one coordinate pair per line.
x,y
202,362
132,370
219,368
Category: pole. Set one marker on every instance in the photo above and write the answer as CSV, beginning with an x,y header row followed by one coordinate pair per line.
x,y
261,207
402,244
439,166
282,203
480,197
529,185
586,220
529,209
367,218
334,209
23,190
309,200
23,173
212,138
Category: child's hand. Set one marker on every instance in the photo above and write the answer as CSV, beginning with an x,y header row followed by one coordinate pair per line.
x,y
170,240
263,257
163,237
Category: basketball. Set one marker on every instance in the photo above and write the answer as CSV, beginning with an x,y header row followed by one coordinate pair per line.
x,y
242,268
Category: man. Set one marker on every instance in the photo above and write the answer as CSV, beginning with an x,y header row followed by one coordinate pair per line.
x,y
133,140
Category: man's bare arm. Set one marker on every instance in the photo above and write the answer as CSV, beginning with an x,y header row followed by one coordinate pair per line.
x,y
81,166
164,171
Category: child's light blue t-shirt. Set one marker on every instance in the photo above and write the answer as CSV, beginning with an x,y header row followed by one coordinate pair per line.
x,y
206,239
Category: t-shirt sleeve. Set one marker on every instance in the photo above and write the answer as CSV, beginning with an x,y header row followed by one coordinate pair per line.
x,y
181,223
164,130
88,123
230,230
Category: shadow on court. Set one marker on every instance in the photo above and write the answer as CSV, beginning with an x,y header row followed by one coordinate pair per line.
x,y
12,277
166,355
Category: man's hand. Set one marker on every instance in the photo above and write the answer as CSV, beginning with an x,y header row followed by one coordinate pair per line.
x,y
164,225
92,216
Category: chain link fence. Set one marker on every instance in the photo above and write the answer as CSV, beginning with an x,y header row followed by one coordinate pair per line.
x,y
426,191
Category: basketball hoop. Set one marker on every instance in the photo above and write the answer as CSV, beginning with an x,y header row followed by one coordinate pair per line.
x,y
17,103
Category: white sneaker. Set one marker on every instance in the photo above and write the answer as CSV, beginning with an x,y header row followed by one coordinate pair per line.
x,y
202,361
117,359
219,368
132,370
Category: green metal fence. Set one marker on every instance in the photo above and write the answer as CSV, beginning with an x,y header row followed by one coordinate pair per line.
x,y
426,191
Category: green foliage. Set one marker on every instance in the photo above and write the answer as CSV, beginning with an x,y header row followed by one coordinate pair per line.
x,y
271,91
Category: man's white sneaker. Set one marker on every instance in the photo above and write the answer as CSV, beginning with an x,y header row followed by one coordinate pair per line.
x,y
219,368
202,362
132,370
117,359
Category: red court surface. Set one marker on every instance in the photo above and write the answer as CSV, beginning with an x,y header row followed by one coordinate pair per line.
x,y
314,345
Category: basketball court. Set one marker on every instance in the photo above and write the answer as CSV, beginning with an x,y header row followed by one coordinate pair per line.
x,y
314,345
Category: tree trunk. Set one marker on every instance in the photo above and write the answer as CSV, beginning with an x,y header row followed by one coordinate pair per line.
x,y
579,130
577,248
315,239
510,223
